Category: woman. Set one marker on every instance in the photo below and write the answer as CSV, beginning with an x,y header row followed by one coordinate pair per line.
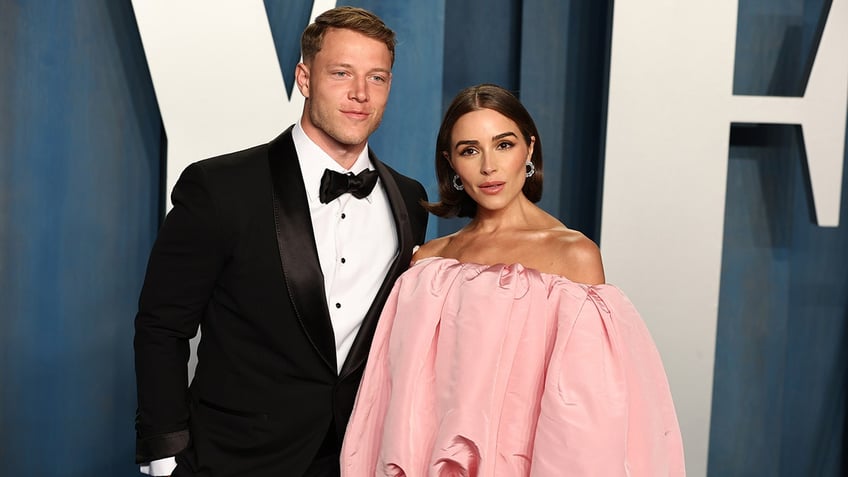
x,y
500,352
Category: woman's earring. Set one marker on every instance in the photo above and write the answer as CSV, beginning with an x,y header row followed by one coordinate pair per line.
x,y
457,184
531,168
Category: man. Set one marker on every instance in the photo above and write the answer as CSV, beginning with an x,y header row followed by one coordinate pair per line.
x,y
285,277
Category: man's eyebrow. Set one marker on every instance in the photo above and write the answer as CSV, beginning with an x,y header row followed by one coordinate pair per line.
x,y
350,66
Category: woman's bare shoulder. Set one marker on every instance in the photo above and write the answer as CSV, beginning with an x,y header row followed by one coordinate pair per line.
x,y
575,256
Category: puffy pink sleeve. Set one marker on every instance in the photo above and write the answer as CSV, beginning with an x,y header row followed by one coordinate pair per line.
x,y
364,431
606,408
378,433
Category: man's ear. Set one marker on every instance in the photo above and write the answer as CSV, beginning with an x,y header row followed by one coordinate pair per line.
x,y
301,77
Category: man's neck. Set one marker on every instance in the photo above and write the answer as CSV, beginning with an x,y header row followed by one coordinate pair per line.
x,y
344,154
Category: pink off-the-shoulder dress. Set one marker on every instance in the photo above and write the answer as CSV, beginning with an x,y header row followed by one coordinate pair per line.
x,y
500,371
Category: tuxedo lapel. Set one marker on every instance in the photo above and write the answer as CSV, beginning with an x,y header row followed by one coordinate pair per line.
x,y
296,242
362,344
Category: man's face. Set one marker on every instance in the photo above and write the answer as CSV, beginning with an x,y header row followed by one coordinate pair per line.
x,y
347,86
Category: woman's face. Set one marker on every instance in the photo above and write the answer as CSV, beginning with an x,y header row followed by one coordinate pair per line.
x,y
488,152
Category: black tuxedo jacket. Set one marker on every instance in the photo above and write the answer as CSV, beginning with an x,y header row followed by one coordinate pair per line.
x,y
237,256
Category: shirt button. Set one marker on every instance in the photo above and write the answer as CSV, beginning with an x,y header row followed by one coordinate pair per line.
x,y
338,305
343,260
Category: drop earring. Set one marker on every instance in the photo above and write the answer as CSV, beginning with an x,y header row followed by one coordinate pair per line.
x,y
457,183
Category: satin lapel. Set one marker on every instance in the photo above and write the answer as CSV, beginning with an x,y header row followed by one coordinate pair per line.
x,y
296,242
362,344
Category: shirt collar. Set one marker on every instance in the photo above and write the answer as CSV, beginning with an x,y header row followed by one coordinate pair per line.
x,y
313,160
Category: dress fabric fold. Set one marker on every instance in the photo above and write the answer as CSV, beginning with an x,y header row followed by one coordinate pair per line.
x,y
501,370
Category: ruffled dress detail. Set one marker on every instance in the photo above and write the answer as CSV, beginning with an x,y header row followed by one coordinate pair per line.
x,y
500,370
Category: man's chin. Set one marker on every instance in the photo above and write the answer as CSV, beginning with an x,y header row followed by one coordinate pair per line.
x,y
353,139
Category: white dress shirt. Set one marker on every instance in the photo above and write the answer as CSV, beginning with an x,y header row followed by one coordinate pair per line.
x,y
356,241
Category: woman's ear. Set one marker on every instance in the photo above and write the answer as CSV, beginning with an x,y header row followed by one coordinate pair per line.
x,y
447,157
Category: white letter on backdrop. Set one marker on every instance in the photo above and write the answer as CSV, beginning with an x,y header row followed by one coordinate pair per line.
x,y
216,76
671,105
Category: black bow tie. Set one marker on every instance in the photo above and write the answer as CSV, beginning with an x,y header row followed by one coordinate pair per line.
x,y
334,184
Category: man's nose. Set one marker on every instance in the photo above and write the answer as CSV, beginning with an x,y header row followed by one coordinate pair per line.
x,y
359,90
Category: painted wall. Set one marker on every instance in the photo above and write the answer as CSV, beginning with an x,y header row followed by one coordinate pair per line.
x,y
80,155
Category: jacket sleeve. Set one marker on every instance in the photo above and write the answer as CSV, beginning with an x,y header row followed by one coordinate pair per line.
x,y
184,264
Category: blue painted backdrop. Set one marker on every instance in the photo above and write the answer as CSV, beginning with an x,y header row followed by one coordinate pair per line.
x,y
81,147
80,154
781,373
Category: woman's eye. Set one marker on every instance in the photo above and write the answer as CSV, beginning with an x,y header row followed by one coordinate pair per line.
x,y
467,151
505,145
